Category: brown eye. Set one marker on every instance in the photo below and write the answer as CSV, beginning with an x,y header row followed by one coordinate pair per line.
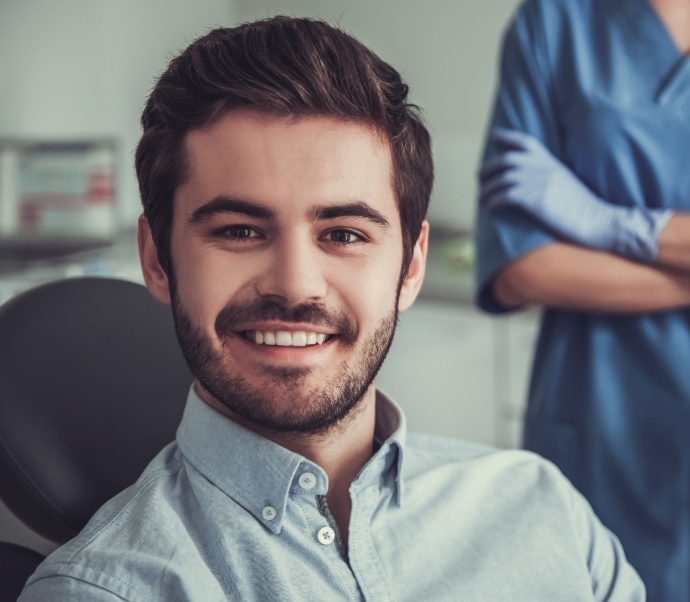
x,y
238,232
344,237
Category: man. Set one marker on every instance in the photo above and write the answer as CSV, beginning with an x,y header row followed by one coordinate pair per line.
x,y
285,180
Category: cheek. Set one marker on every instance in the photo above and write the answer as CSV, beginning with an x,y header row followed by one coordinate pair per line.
x,y
371,291
205,284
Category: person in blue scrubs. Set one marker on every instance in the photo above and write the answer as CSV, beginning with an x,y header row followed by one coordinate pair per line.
x,y
585,210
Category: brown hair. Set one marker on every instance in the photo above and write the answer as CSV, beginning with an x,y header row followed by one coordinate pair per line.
x,y
286,66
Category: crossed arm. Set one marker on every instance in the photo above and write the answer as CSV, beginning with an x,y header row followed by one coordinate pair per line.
x,y
613,258
571,277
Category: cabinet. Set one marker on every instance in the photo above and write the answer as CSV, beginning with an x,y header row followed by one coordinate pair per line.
x,y
515,337
440,370
461,373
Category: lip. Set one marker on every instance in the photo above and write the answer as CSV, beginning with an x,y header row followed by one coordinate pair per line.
x,y
276,354
284,326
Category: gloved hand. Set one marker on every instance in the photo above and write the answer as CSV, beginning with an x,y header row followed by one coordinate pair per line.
x,y
528,177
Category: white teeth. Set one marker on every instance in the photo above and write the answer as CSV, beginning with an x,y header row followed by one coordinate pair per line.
x,y
284,338
299,339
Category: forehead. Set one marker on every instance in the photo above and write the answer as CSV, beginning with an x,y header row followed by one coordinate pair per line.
x,y
288,164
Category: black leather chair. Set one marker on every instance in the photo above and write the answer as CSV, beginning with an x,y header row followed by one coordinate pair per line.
x,y
92,386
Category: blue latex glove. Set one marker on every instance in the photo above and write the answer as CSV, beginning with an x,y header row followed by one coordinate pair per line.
x,y
528,177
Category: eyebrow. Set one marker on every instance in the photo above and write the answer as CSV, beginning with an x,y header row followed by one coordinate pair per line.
x,y
224,204
354,209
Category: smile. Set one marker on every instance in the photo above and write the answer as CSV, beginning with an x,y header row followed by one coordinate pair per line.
x,y
282,338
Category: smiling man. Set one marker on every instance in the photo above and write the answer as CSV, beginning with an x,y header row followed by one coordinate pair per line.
x,y
286,280
285,180
278,219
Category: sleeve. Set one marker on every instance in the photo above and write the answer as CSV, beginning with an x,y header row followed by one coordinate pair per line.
x,y
61,587
524,102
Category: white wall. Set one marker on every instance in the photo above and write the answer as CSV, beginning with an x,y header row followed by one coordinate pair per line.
x,y
447,51
78,68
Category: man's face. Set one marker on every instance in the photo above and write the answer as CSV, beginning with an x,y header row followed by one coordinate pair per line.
x,y
286,249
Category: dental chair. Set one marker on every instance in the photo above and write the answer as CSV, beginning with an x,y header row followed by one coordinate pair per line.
x,y
92,386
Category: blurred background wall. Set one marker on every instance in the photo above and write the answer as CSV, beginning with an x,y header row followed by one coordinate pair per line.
x,y
74,68
82,68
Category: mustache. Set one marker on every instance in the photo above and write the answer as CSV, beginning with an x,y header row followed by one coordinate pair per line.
x,y
268,309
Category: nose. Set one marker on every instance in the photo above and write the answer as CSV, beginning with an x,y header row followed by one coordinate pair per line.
x,y
295,272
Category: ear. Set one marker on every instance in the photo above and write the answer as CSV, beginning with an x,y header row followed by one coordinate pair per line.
x,y
154,275
415,272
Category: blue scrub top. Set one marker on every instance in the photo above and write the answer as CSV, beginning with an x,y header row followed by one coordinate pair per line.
x,y
602,84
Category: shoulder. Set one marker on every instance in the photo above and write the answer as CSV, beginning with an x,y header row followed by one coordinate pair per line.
x,y
546,22
539,22
119,538
507,500
442,447
555,11
507,485
518,473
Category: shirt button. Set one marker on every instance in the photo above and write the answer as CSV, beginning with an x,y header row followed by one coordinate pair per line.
x,y
307,480
269,513
326,536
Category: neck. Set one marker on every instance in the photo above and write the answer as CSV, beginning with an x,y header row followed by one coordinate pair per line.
x,y
675,14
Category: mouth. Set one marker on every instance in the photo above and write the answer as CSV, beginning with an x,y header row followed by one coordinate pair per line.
x,y
283,338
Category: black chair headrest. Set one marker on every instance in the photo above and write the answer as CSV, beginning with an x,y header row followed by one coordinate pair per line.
x,y
92,386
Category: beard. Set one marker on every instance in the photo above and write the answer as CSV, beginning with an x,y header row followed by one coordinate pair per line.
x,y
284,401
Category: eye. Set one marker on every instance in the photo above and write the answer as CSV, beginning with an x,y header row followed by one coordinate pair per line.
x,y
343,237
237,232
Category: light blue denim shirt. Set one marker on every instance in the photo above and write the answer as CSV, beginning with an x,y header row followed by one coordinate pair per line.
x,y
224,514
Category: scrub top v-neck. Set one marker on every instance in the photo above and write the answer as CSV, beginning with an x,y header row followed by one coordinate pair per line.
x,y
605,87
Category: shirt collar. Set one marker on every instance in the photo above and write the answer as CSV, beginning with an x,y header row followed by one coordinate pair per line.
x,y
260,475
391,431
